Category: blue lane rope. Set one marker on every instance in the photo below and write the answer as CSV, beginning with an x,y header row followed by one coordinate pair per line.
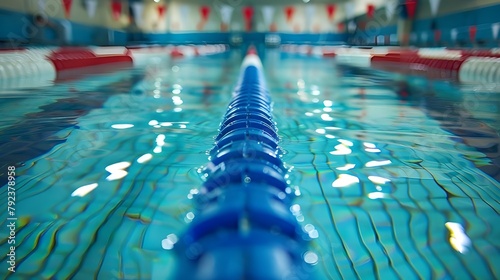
x,y
244,228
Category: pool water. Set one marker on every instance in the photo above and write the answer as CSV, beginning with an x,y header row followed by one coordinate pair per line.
x,y
384,180
396,177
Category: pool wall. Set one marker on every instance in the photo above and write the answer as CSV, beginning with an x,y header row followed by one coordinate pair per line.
x,y
246,37
20,29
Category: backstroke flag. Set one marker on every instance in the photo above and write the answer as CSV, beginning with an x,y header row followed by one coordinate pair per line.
x,y
67,7
434,6
495,27
454,34
390,9
138,8
330,11
91,6
268,14
116,9
225,13
349,9
184,13
310,10
41,5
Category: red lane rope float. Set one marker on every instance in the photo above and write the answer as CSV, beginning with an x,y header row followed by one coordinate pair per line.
x,y
468,65
74,58
411,58
176,52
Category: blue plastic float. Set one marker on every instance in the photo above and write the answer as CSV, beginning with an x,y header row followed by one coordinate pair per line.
x,y
244,228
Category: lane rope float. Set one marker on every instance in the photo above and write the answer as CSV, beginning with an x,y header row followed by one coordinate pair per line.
x,y
244,228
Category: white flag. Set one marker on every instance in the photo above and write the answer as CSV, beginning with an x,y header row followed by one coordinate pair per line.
x,y
41,6
138,8
495,27
424,36
413,37
225,13
349,9
268,14
434,7
91,6
68,35
351,26
390,8
454,34
184,13
310,9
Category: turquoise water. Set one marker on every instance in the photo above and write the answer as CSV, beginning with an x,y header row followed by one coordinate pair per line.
x,y
391,171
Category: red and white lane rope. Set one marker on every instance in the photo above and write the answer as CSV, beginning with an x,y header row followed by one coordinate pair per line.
x,y
471,65
40,66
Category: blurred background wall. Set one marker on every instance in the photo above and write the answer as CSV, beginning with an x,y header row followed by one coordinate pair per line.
x,y
365,22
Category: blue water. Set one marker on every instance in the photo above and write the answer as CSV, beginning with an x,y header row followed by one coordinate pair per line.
x,y
396,177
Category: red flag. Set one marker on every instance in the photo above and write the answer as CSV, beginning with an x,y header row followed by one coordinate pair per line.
x,y
116,8
330,11
340,26
362,25
437,35
161,10
223,27
273,27
370,10
472,33
289,10
411,7
248,14
205,12
67,7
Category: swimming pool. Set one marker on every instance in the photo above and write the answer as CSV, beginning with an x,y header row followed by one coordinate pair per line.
x,y
390,171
